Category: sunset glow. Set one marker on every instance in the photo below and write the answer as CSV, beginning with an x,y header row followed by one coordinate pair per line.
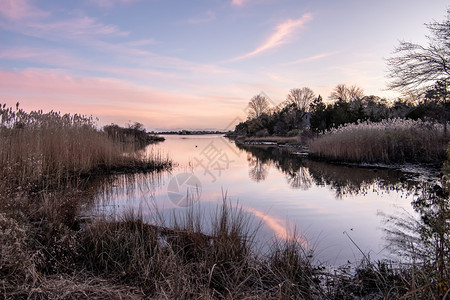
x,y
195,65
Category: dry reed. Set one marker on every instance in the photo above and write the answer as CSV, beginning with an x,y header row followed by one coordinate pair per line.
x,y
389,141
39,150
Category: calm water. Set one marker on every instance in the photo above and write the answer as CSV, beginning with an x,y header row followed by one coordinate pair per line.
x,y
325,203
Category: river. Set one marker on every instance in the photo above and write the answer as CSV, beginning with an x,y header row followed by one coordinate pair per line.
x,y
335,210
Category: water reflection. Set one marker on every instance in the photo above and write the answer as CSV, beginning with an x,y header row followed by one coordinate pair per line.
x,y
280,189
425,236
257,169
302,173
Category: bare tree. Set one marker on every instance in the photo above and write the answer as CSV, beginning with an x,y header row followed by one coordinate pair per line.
x,y
301,98
339,92
355,93
347,94
257,106
416,68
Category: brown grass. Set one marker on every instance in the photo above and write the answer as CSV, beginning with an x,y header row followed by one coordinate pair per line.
x,y
390,141
188,262
39,150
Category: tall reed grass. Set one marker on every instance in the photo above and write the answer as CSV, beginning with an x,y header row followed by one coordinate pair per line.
x,y
389,141
42,149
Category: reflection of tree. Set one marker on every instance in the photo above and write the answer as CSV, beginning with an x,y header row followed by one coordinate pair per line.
x,y
260,157
301,173
110,189
301,179
352,180
257,169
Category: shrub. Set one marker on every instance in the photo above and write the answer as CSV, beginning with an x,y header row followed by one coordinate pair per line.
x,y
294,132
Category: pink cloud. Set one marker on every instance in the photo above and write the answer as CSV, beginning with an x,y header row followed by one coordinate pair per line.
x,y
111,3
19,10
62,59
239,2
29,20
312,58
73,28
207,17
282,35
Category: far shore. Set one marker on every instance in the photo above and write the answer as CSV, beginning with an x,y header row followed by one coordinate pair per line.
x,y
299,146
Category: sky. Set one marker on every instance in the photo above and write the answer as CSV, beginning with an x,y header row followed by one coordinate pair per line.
x,y
196,64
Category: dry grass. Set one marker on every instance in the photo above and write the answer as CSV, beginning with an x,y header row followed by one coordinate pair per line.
x,y
389,141
39,150
127,258
188,261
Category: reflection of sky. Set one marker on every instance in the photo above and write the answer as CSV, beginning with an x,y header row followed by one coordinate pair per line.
x,y
314,212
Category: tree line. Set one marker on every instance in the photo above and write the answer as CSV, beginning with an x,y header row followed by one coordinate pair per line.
x,y
302,110
420,72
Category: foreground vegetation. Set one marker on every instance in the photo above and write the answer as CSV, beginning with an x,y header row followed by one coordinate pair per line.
x,y
390,141
40,150
126,258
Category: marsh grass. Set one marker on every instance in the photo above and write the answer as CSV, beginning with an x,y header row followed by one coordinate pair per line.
x,y
198,257
389,141
213,260
40,150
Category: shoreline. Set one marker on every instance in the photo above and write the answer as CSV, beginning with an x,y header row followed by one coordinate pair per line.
x,y
294,146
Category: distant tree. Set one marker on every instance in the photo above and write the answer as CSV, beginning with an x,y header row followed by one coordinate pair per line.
x,y
257,106
318,115
340,113
241,128
137,126
339,92
375,108
439,92
417,68
347,94
301,98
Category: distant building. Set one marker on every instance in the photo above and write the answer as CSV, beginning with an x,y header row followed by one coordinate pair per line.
x,y
306,120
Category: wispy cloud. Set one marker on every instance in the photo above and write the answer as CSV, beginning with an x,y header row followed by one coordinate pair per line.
x,y
111,3
60,58
239,2
139,43
63,29
74,28
17,10
207,17
311,58
282,35
91,32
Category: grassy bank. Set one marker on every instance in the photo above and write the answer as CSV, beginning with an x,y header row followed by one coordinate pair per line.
x,y
390,141
134,135
42,149
127,258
